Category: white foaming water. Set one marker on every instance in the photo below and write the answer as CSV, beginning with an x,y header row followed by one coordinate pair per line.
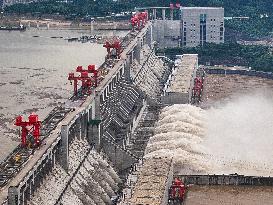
x,y
240,134
71,196
47,193
95,183
233,138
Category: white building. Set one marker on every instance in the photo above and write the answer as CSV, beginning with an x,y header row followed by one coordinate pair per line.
x,y
202,24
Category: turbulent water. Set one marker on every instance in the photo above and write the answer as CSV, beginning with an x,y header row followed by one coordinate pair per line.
x,y
235,137
95,182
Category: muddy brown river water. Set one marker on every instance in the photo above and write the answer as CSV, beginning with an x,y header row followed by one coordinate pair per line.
x,y
227,195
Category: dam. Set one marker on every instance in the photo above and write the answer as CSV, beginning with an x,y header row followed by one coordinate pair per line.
x,y
143,125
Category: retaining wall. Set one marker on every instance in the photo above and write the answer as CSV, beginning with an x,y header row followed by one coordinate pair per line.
x,y
260,74
226,180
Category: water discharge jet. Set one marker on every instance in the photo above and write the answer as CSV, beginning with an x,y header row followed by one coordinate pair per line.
x,y
232,138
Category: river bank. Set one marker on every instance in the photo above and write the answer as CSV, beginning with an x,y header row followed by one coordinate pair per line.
x,y
53,22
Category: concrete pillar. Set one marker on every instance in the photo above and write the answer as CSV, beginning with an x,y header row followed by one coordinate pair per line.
x,y
127,68
90,114
84,125
171,14
150,36
154,14
32,185
63,158
94,136
147,11
13,196
92,26
94,131
138,49
54,158
132,56
79,127
23,197
163,14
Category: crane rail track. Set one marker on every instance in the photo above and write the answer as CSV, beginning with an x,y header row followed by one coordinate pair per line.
x,y
10,167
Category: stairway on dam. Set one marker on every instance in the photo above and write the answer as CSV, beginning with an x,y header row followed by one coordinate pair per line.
x,y
143,131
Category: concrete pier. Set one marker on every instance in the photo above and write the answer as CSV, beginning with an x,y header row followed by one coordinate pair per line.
x,y
163,14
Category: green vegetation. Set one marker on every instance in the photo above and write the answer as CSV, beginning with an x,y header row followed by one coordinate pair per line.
x,y
259,24
256,57
255,27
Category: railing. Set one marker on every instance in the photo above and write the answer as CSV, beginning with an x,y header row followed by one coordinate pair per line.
x,y
233,179
261,74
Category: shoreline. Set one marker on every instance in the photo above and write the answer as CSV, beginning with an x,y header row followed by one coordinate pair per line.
x,y
51,23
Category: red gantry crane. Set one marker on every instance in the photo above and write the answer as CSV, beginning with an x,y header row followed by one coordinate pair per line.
x,y
177,192
30,134
116,46
86,82
175,6
197,89
91,69
139,19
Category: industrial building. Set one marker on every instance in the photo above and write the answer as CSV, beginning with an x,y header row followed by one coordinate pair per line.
x,y
202,25
197,26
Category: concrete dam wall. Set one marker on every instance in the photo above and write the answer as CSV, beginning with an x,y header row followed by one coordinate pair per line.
x,y
87,151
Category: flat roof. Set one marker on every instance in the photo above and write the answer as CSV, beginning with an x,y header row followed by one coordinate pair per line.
x,y
152,181
182,75
200,8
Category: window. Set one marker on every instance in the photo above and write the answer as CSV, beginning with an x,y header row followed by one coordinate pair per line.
x,y
203,18
203,32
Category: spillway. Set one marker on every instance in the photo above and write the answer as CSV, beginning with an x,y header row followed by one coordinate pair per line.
x,y
227,143
217,140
